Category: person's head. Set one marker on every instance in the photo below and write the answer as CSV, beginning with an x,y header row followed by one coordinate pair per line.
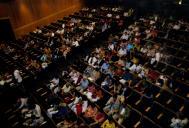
x,y
110,119
67,85
56,76
31,106
16,71
114,96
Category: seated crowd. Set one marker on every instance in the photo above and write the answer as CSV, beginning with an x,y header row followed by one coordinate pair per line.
x,y
48,44
135,78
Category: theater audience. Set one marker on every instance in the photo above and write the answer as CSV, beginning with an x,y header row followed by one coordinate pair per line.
x,y
126,62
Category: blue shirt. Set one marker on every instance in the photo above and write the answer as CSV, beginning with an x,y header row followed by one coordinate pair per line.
x,y
84,83
129,47
105,66
127,76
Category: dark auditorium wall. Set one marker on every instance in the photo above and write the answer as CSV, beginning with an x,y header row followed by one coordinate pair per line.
x,y
165,7
25,15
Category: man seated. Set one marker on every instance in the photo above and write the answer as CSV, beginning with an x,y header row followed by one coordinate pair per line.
x,y
178,123
122,51
75,43
83,85
125,36
127,77
107,83
54,82
104,67
136,68
93,94
112,105
33,115
90,112
65,124
52,110
66,88
93,61
76,99
80,107
74,76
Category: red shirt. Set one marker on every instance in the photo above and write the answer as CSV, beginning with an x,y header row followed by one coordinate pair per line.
x,y
79,108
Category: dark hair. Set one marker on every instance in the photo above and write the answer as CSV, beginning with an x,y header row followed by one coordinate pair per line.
x,y
110,119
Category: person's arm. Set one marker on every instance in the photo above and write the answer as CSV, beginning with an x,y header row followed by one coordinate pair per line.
x,y
113,126
21,105
109,101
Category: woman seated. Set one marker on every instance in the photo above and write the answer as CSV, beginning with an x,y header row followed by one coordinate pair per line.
x,y
74,76
107,84
65,124
33,116
83,85
90,112
112,105
93,94
109,123
66,89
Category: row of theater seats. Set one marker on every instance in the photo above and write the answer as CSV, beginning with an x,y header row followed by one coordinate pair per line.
x,y
14,117
175,65
7,68
174,49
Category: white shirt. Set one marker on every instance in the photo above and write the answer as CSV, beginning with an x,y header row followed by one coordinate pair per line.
x,y
157,56
109,15
143,50
89,96
66,89
60,31
122,51
111,47
55,81
125,14
17,76
125,36
117,17
176,27
63,25
75,43
152,22
2,82
75,77
84,106
133,68
138,68
37,110
52,34
23,102
77,100
92,61
90,27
